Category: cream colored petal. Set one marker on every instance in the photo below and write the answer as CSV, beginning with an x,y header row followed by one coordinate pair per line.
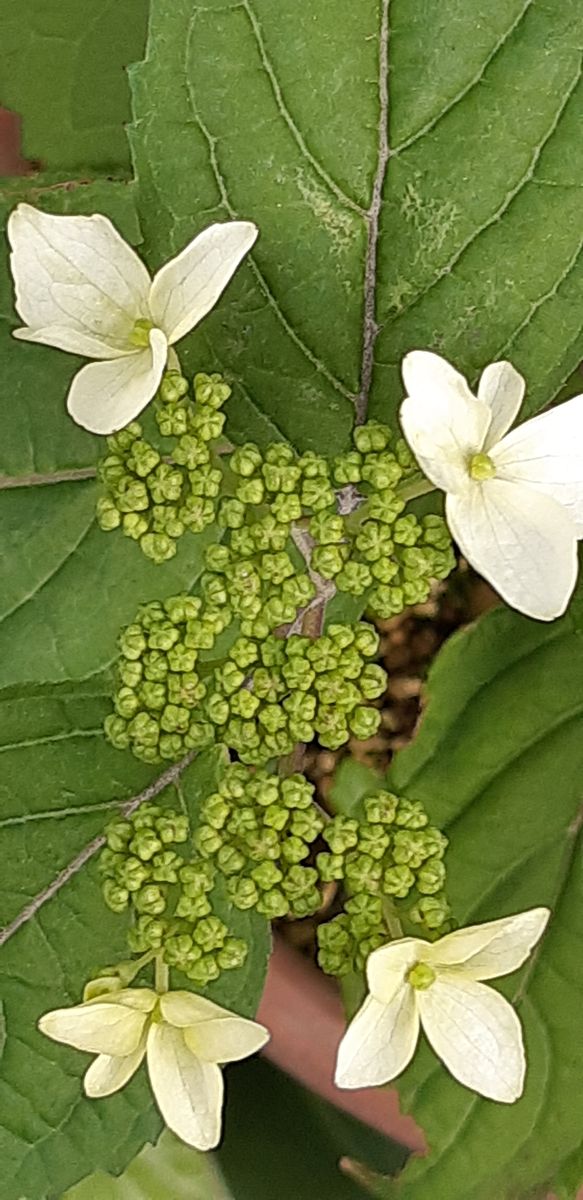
x,y
75,341
380,1041
477,1035
76,272
186,288
522,542
502,389
188,1092
106,396
108,1074
387,967
492,949
101,1027
442,421
225,1039
182,1008
547,454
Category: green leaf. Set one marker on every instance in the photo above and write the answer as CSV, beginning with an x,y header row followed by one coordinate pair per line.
x,y
170,1170
60,781
72,116
412,170
498,763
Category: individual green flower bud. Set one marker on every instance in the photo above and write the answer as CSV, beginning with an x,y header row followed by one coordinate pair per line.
x,y
131,495
409,846
385,506
364,722
155,665
363,873
246,460
333,689
123,440
173,387
175,719
276,817
273,904
372,682
207,424
334,936
266,875
431,877
193,908
365,915
381,808
330,866
229,678
211,389
277,744
243,542
196,513
132,642
215,589
144,729
207,840
165,867
210,933
165,519
383,571
372,436
118,834
182,658
133,874
250,491
135,526
231,514
172,828
272,717
398,881
146,816
145,844
332,728
347,468
263,845
230,860
205,481
244,653
327,527
264,790
163,635
385,601
328,560
301,731
191,453
407,530
286,507
435,842
374,541
373,840
294,850
148,933
197,878
200,734
381,471
317,495
130,673
297,792
205,971
270,534
307,904
232,954
165,483
217,708
151,899
411,814
299,881
366,947
298,590
341,834
244,704
306,824
116,731
116,897
354,578
172,421
243,892
278,611
215,811
431,911
178,951
158,546
143,458
107,514
435,532
366,640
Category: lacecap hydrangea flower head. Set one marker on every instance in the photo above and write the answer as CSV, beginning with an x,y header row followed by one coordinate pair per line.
x,y
514,501
80,287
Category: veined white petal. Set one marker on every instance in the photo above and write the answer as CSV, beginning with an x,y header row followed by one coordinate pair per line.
x,y
522,542
107,1074
502,389
387,967
477,1035
76,272
105,396
442,421
75,341
186,288
102,1027
188,1092
547,454
182,1008
492,949
225,1039
379,1042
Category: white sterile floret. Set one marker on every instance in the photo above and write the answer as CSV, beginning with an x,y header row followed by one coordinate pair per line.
x,y
80,287
514,501
438,986
183,1037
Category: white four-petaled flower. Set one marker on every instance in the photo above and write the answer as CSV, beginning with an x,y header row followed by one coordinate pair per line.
x,y
438,986
514,500
183,1036
80,287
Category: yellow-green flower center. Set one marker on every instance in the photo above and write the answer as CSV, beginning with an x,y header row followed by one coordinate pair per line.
x,y
140,335
481,467
421,976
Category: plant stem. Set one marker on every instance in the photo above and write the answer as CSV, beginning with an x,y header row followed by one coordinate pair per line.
x,y
412,488
162,975
393,923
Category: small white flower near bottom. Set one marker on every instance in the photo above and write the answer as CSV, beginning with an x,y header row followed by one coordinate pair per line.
x,y
438,986
183,1037
514,501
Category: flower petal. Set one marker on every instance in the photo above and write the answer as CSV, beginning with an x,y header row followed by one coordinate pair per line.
x,y
75,341
77,273
442,421
98,1026
182,1008
379,1042
476,1034
492,949
502,389
212,1033
188,1092
547,454
186,288
522,542
105,396
107,1073
387,967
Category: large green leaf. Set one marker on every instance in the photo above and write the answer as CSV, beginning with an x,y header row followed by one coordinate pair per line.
x,y
417,169
498,762
170,1170
63,71
57,933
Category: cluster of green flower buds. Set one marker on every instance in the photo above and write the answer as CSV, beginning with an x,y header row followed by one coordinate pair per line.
x,y
390,862
257,830
156,497
263,697
146,870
